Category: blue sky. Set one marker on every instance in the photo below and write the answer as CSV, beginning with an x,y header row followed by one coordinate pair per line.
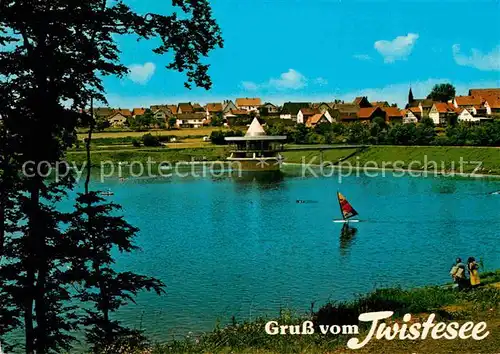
x,y
324,50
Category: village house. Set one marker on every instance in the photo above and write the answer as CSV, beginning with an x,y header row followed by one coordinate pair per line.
x,y
403,115
248,104
316,119
156,107
485,92
162,114
304,114
269,109
172,108
367,114
197,108
103,112
392,114
323,106
190,120
238,113
213,110
117,119
290,110
362,102
124,111
228,105
413,115
345,112
492,105
424,104
137,112
465,116
470,103
185,108
442,113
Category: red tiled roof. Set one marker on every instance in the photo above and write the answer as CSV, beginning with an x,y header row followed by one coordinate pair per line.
x,y
468,100
444,107
358,100
348,116
493,102
117,112
191,116
364,113
392,111
185,107
309,111
124,112
138,111
245,102
239,112
314,119
214,107
485,92
173,108
415,110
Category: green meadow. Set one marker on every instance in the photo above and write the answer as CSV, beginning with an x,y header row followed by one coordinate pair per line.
x,y
414,157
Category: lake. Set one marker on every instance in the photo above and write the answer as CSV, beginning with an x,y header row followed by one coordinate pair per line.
x,y
244,247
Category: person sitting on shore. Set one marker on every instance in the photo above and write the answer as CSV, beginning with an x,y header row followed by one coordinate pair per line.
x,y
457,272
473,272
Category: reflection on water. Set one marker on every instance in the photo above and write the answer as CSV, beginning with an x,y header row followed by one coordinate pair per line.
x,y
347,237
265,179
445,187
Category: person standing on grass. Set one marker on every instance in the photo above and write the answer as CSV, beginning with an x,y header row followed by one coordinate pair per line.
x,y
457,272
473,272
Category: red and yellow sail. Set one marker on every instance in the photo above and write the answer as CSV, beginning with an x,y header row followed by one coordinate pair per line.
x,y
346,208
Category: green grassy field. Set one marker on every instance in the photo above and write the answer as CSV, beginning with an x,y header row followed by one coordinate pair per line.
x,y
198,132
142,154
446,157
313,156
414,157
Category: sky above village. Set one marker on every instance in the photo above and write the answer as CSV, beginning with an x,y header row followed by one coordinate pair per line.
x,y
321,50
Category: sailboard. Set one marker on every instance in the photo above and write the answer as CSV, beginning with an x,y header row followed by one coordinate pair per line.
x,y
346,209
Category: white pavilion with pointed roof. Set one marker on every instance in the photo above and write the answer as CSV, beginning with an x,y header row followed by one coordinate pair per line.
x,y
256,151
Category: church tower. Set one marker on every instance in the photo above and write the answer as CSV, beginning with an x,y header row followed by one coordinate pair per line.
x,y
410,97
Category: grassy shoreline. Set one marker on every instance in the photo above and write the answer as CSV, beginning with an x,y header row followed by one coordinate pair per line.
x,y
463,160
212,153
378,156
448,304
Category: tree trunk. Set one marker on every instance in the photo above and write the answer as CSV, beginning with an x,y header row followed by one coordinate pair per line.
x,y
2,220
37,240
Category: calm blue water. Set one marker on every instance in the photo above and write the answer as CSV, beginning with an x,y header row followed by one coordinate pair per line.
x,y
229,247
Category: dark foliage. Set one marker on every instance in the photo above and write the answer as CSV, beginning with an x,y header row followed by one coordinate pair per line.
x,y
217,136
150,140
53,54
442,93
136,143
95,232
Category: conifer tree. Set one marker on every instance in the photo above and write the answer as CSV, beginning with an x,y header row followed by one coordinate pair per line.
x,y
53,54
